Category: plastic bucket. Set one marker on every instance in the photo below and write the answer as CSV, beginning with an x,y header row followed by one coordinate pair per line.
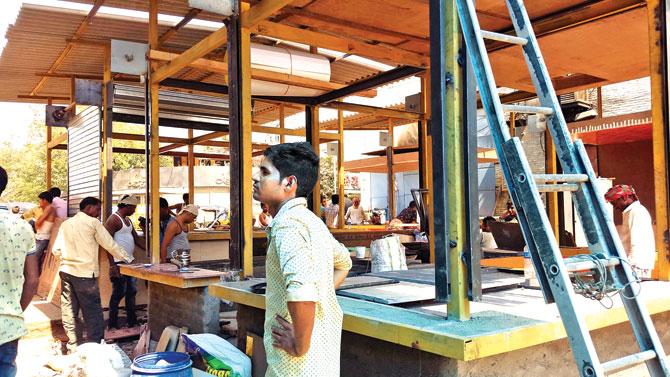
x,y
178,365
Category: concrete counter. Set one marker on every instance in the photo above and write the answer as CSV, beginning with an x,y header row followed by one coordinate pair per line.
x,y
514,330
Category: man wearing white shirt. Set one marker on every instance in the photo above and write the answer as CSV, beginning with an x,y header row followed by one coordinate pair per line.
x,y
355,214
637,232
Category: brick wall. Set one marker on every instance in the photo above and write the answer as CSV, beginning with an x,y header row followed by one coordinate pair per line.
x,y
192,308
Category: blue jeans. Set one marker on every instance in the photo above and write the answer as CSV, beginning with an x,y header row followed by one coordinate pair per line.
x,y
8,353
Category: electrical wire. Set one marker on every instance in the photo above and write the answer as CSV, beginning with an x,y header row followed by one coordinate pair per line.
x,y
599,289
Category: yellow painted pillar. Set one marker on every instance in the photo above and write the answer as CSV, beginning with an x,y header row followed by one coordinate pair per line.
x,y
659,101
191,168
458,307
107,158
247,216
316,145
552,197
282,123
48,162
340,167
427,151
154,162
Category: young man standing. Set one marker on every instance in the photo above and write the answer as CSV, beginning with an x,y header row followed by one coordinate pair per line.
x,y
58,203
303,320
77,244
18,282
637,231
120,226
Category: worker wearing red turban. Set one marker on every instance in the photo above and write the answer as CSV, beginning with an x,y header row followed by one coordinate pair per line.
x,y
636,232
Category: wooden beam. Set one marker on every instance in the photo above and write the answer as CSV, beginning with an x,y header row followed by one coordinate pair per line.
x,y
58,140
380,111
282,126
200,49
140,137
69,46
170,147
190,160
215,156
47,98
261,11
258,74
173,30
207,137
388,54
354,25
279,131
118,77
107,143
48,157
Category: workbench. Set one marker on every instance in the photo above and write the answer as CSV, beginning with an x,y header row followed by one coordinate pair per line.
x,y
179,298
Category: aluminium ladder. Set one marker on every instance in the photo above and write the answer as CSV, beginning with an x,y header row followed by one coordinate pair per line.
x,y
579,178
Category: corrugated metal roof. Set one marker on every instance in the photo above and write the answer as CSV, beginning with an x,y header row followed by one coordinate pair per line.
x,y
40,33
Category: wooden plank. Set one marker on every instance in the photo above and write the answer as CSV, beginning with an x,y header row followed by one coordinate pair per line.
x,y
200,49
379,111
58,140
69,46
364,281
173,30
261,11
389,54
168,274
392,294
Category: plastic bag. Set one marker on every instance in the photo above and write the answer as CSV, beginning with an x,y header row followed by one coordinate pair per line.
x,y
388,254
211,347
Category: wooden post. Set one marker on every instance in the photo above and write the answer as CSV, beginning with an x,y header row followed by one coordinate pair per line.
x,y
312,131
154,162
552,197
658,60
191,168
340,167
282,121
48,162
107,159
426,153
390,176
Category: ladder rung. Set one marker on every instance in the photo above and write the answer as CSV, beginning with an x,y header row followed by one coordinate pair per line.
x,y
504,38
572,264
628,361
528,109
565,178
559,187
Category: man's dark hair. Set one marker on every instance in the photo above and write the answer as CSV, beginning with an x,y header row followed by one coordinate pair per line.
x,y
335,198
297,159
89,201
489,219
412,204
185,198
3,179
46,195
55,192
163,203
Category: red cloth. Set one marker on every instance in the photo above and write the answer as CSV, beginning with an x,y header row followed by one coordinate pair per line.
x,y
620,191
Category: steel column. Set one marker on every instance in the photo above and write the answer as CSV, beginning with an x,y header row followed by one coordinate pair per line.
x,y
438,79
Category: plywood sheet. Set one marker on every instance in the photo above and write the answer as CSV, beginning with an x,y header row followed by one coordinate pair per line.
x,y
392,294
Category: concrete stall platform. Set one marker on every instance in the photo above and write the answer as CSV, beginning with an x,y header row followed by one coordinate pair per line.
x,y
510,333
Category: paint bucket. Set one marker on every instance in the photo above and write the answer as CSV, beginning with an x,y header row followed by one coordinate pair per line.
x,y
164,364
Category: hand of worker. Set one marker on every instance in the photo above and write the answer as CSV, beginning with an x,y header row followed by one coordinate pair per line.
x,y
114,271
283,336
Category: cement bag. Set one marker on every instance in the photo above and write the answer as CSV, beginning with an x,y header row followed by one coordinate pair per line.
x,y
388,254
217,351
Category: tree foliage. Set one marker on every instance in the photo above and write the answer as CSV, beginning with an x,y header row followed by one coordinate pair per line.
x,y
327,178
26,164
